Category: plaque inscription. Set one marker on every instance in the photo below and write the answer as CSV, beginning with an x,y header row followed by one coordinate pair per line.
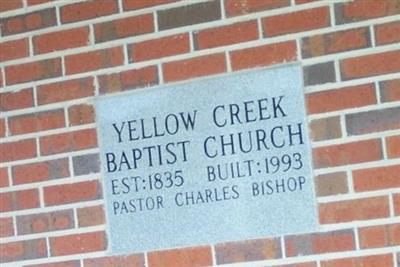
x,y
211,161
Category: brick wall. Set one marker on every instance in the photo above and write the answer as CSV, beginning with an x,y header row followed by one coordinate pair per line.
x,y
57,56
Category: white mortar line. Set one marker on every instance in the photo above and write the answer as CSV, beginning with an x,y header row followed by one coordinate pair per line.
x,y
191,41
283,247
223,11
350,183
391,205
356,238
120,8
384,150
96,86
125,52
213,255
75,215
58,16
359,223
155,21
228,62
357,195
146,259
372,35
160,74
30,46
342,121
9,174
92,38
370,107
377,92
332,14
260,29
365,165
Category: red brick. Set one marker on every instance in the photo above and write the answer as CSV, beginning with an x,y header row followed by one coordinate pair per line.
x,y
318,243
194,67
122,28
45,222
387,33
296,22
14,49
325,128
365,261
253,250
16,100
40,171
331,184
4,177
342,98
370,65
379,236
67,142
10,5
73,263
6,227
23,149
36,122
190,257
158,48
19,200
390,90
393,146
264,55
2,127
37,2
226,35
348,153
94,60
65,90
396,204
353,210
33,71
88,242
127,80
359,10
376,178
28,22
133,5
80,114
61,40
87,10
90,216
71,193
235,8
331,43
23,250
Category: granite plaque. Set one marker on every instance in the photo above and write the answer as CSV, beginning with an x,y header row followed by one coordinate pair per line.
x,y
215,160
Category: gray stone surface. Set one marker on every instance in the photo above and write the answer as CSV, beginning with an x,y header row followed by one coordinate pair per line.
x,y
162,191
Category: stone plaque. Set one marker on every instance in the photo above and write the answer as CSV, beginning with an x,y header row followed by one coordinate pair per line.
x,y
216,160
